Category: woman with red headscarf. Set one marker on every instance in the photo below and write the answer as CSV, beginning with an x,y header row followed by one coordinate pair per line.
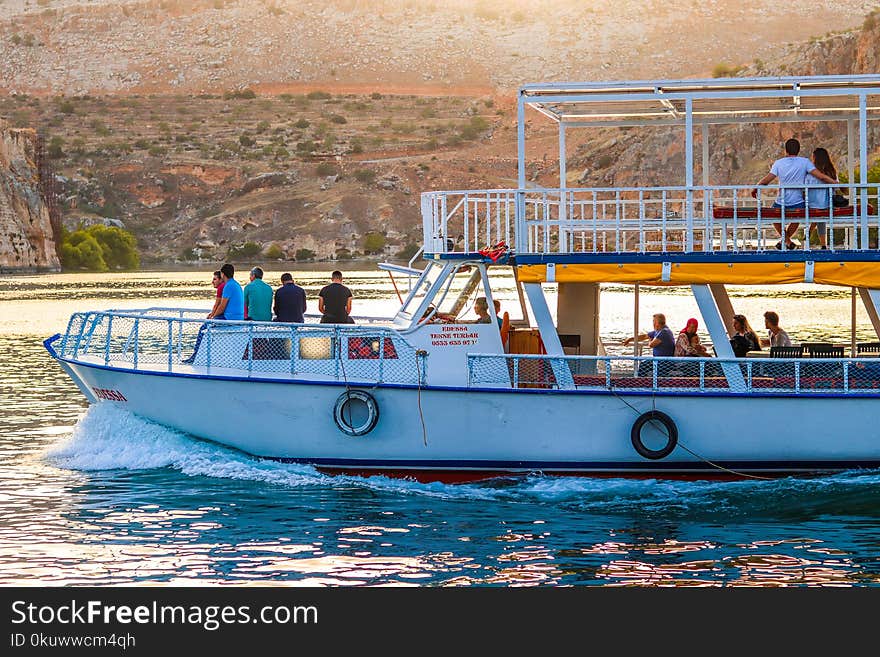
x,y
683,346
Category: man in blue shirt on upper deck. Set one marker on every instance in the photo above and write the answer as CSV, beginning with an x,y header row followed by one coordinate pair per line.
x,y
232,301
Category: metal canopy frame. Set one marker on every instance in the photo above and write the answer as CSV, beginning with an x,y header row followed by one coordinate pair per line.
x,y
715,101
690,103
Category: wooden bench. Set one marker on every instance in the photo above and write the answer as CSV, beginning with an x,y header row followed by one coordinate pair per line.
x,y
816,215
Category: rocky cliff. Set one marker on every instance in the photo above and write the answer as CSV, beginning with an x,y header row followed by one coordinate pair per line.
x,y
26,237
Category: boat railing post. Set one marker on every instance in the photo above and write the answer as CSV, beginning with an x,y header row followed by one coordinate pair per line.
x,y
250,349
337,351
382,339
735,217
617,229
748,376
797,376
654,374
846,376
169,347
863,171
702,376
179,332
208,336
760,206
807,219
642,245
689,171
663,219
516,360
467,228
294,347
137,346
607,362
831,224
107,341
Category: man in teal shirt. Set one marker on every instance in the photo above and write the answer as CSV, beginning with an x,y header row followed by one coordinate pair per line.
x,y
258,298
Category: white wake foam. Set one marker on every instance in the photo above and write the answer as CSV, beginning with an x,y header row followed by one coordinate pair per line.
x,y
110,438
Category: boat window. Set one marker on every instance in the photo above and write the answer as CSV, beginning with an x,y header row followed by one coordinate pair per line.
x,y
456,300
419,290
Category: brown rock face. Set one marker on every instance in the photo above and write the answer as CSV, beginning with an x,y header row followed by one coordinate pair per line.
x,y
26,238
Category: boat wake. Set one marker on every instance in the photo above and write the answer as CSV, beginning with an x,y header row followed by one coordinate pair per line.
x,y
110,438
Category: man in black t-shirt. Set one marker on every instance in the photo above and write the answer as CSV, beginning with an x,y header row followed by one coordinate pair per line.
x,y
334,301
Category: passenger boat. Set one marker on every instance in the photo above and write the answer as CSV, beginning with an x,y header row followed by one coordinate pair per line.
x,y
432,395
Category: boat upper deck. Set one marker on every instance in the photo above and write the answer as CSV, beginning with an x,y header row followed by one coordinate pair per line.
x,y
694,219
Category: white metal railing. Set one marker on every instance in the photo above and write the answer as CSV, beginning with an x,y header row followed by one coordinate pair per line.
x,y
724,218
172,340
684,375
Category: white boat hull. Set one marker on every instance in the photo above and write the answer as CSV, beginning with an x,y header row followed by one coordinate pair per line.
x,y
474,433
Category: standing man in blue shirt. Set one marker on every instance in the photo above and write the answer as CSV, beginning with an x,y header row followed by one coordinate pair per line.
x,y
290,301
258,297
662,340
232,301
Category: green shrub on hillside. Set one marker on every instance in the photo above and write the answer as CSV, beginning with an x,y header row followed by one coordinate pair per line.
x,y
304,254
373,243
99,248
55,149
365,175
274,252
319,95
325,169
246,251
873,177
724,70
240,94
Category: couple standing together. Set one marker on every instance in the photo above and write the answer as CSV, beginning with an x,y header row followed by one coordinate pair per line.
x,y
795,172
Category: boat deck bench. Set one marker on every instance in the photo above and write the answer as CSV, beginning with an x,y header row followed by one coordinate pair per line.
x,y
816,215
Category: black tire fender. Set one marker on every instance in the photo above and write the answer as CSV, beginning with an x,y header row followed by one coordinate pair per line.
x,y
356,412
671,433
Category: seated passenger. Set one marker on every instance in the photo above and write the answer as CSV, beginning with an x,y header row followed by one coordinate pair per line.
x,y
744,339
699,349
503,322
683,342
481,307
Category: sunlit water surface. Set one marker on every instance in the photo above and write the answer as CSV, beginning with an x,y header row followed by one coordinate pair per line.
x,y
103,497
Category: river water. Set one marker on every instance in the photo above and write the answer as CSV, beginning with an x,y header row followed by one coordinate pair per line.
x,y
103,497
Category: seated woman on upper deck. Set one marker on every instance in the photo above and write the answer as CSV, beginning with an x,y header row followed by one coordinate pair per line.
x,y
744,338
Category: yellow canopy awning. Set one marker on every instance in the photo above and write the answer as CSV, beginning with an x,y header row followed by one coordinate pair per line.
x,y
849,274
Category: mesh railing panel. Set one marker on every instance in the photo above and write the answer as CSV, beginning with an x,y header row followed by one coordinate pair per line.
x,y
705,375
147,340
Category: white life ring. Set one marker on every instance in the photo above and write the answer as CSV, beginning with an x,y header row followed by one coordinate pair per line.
x,y
356,412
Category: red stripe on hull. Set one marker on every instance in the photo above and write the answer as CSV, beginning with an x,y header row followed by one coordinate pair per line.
x,y
466,476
